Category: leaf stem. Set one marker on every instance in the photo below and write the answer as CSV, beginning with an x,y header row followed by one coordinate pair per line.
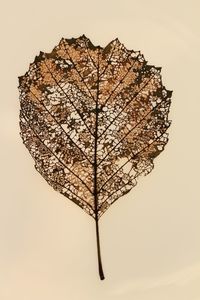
x,y
101,274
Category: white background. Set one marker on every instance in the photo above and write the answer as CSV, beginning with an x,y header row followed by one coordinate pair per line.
x,y
150,238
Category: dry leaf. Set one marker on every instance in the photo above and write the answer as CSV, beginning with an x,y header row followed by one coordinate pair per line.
x,y
93,119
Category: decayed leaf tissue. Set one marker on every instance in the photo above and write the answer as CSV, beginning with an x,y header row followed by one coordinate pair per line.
x,y
93,119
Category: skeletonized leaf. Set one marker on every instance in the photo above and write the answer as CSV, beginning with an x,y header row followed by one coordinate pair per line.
x,y
93,119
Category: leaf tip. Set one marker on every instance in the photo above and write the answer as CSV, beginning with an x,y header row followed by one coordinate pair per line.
x,y
169,93
20,78
39,57
159,69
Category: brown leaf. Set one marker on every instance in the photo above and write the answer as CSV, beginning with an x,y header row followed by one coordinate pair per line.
x,y
93,119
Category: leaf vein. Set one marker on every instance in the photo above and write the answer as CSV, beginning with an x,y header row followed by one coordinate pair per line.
x,y
69,100
132,157
58,159
82,79
134,127
127,104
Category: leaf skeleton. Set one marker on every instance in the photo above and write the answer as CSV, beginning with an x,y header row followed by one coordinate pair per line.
x,y
93,119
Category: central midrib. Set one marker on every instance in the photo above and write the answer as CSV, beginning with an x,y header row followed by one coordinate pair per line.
x,y
101,274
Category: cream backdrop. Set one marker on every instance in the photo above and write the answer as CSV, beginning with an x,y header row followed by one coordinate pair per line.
x,y
150,238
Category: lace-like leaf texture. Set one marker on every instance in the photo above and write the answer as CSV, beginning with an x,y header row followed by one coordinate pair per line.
x,y
93,120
